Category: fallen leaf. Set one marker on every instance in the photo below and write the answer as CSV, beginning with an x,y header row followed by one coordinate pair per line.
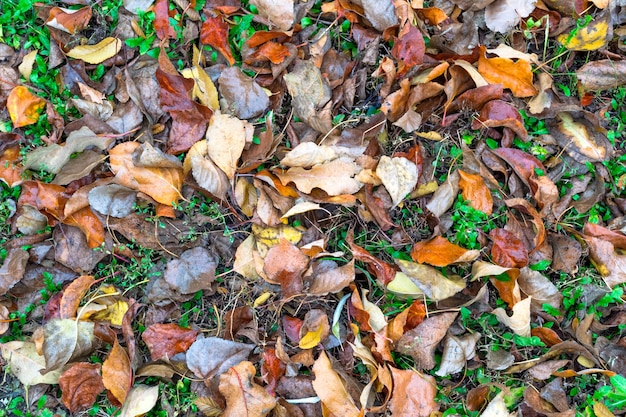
x,y
409,48
413,394
67,20
445,195
165,340
330,389
13,268
399,176
314,329
161,180
66,339
161,21
226,138
194,271
285,264
309,91
616,237
519,322
611,266
95,54
497,113
112,200
72,296
383,271
272,369
456,352
242,96
26,364
278,12
204,89
79,167
213,356
80,385
516,76
335,177
590,37
440,252
433,283
579,138
545,370
117,373
497,407
26,67
420,343
10,168
140,400
508,250
53,157
602,74
243,396
24,107
502,15
534,284
214,32
333,280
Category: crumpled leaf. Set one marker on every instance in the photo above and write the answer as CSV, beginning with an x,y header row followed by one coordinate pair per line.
x,y
194,271
331,390
309,91
204,89
162,179
440,252
516,76
243,396
25,363
140,399
24,107
214,32
13,268
335,177
433,283
420,343
409,48
456,352
399,176
81,384
117,373
226,138
603,74
165,340
279,12
95,54
502,15
519,322
333,280
66,339
213,356
413,394
53,157
611,266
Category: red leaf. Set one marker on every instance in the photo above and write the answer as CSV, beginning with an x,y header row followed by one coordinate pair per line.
x,y
291,327
409,48
165,340
272,369
214,32
508,250
162,20
81,384
498,113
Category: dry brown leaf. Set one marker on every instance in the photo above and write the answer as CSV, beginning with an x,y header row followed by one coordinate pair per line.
x,y
413,394
285,264
161,180
603,74
13,268
420,343
165,340
243,396
81,384
432,282
475,191
226,138
117,374
331,390
278,12
335,177
540,288
611,266
310,92
333,280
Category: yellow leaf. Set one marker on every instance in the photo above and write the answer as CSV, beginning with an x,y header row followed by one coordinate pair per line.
x,y
311,339
432,135
113,313
26,67
589,38
270,236
402,285
95,54
261,299
24,107
601,410
204,89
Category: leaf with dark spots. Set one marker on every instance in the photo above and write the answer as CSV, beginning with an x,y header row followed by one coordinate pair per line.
x,y
508,250
498,113
164,340
81,384
214,32
409,48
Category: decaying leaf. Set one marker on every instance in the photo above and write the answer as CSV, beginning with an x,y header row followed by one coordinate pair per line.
x,y
213,356
165,340
81,384
335,177
588,38
310,92
13,268
475,191
226,138
502,15
420,343
456,352
602,75
140,399
117,373
516,76
243,396
66,339
214,32
25,363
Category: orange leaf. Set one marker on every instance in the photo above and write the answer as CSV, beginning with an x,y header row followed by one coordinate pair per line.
x,y
214,32
516,76
162,20
475,191
547,336
272,51
165,340
507,288
285,264
10,171
86,220
440,252
70,21
384,272
24,107
414,394
432,15
117,374
72,296
272,369
81,384
161,183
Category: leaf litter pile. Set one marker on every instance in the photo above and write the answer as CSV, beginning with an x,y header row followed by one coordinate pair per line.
x,y
299,208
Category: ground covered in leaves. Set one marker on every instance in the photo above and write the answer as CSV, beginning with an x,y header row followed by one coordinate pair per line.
x,y
313,208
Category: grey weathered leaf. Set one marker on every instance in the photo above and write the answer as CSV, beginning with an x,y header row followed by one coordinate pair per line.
x,y
112,200
13,269
241,95
192,272
25,363
66,339
502,15
381,13
213,356
309,91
